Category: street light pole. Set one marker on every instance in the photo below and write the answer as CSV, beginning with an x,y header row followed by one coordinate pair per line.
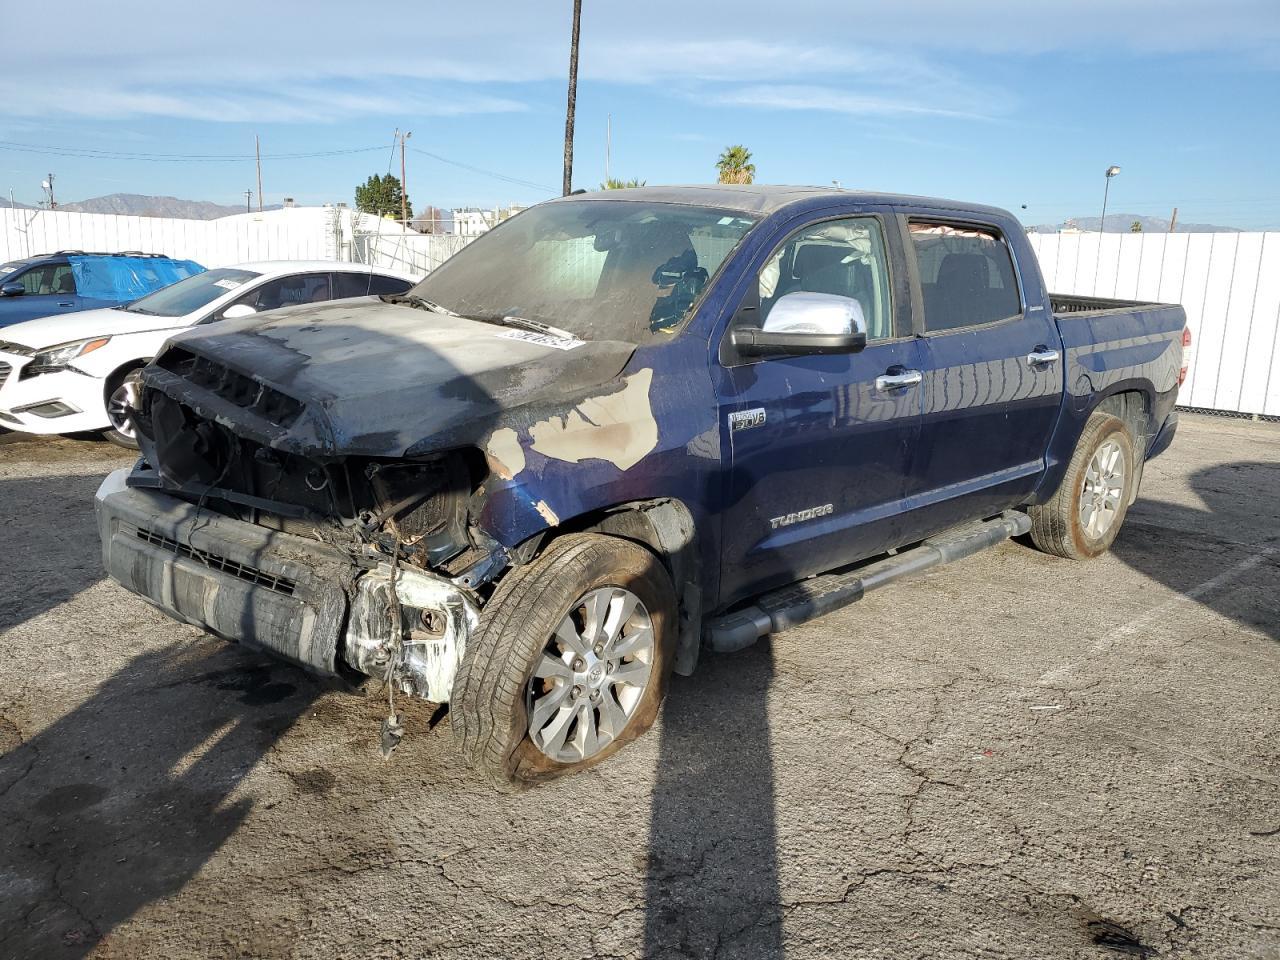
x,y
404,184
1112,171
1102,224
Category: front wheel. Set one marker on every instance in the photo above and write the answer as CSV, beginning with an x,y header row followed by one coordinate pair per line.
x,y
569,663
1082,518
123,394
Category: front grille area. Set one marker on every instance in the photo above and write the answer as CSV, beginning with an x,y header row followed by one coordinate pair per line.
x,y
241,571
5,370
244,392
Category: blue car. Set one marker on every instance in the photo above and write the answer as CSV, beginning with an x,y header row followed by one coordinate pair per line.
x,y
72,280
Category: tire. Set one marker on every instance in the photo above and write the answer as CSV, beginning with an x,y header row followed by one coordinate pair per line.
x,y
521,633
1066,526
119,433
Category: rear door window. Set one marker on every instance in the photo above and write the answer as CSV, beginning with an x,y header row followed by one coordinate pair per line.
x,y
289,292
366,285
966,276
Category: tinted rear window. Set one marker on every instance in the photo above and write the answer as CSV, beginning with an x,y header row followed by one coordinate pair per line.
x,y
966,276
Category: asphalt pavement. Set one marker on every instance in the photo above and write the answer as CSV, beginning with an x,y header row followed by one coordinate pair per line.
x,y
1014,756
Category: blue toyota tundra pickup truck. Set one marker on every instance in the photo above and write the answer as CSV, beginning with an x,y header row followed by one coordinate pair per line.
x,y
624,428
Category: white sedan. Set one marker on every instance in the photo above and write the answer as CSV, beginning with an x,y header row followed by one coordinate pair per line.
x,y
79,371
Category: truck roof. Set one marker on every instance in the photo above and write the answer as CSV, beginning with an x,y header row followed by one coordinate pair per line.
x,y
769,198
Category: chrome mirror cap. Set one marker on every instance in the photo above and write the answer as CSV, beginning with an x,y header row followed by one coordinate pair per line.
x,y
824,313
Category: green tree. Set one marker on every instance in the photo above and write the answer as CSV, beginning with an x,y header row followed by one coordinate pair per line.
x,y
735,165
380,195
613,183
1135,227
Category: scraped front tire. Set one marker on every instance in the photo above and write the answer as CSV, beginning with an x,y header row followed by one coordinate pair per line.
x,y
1084,516
570,661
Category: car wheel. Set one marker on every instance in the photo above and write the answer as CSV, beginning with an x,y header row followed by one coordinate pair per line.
x,y
1082,518
122,394
570,661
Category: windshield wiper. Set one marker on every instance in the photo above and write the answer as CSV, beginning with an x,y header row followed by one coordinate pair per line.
x,y
421,302
534,325
132,309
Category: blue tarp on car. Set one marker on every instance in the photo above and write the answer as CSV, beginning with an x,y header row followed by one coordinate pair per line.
x,y
122,279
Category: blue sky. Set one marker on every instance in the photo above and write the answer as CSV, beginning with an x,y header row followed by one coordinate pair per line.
x,y
1002,102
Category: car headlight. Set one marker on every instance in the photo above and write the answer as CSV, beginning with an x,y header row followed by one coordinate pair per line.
x,y
59,358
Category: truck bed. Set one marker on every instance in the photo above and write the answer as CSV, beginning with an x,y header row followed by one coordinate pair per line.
x,y
1065,303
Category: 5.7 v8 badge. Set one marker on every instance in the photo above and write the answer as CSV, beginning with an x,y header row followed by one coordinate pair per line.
x,y
746,419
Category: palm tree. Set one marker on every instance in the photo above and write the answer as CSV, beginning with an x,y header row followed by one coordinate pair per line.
x,y
613,183
735,165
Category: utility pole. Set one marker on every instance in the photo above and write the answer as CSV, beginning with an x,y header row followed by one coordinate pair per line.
x,y
404,182
608,144
53,204
257,153
573,98
1173,221
248,196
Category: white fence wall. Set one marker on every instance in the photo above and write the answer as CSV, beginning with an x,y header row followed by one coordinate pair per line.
x,y
299,233
1229,284
213,243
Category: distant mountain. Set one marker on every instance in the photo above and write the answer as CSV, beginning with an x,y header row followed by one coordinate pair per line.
x,y
139,205
1123,223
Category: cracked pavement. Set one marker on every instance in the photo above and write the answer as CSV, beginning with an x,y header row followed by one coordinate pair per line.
x,y
1013,756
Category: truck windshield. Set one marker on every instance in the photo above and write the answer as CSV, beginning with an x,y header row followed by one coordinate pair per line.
x,y
598,269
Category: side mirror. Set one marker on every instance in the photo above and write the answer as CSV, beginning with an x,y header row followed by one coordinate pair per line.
x,y
806,323
237,310
14,289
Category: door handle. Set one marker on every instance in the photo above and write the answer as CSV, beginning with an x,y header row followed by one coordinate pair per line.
x,y
1042,355
66,303
900,380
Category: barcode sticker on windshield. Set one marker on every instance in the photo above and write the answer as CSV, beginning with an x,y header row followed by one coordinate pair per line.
x,y
228,283
545,339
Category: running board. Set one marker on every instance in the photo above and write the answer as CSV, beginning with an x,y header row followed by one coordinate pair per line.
x,y
793,605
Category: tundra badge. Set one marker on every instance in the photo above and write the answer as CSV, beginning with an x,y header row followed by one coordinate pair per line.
x,y
808,514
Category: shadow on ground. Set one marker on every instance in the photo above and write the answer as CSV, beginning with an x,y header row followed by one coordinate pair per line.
x,y
720,896
1234,538
119,803
51,544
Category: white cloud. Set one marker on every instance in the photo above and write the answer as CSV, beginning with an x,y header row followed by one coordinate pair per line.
x,y
329,59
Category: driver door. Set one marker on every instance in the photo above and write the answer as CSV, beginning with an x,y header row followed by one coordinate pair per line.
x,y
819,447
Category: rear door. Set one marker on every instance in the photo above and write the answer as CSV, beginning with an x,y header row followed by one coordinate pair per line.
x,y
993,378
818,447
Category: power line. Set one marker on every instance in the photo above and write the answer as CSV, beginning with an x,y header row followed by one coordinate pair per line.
x,y
89,153
483,172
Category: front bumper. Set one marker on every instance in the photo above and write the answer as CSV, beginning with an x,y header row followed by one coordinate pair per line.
x,y
296,598
79,393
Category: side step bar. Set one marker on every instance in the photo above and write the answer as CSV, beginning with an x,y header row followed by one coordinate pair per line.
x,y
795,604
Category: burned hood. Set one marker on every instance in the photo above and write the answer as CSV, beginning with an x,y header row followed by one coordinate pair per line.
x,y
363,377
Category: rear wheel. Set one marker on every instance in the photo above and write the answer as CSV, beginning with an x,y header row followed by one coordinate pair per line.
x,y
570,661
1084,516
123,393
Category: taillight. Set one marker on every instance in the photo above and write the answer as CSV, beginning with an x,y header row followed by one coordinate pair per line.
x,y
1186,355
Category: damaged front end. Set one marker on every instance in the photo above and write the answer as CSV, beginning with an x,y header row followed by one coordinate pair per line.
x,y
341,564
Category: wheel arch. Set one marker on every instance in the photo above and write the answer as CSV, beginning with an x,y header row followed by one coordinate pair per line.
x,y
121,369
665,526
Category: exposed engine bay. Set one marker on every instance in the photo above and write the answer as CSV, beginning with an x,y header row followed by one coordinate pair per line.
x,y
420,567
